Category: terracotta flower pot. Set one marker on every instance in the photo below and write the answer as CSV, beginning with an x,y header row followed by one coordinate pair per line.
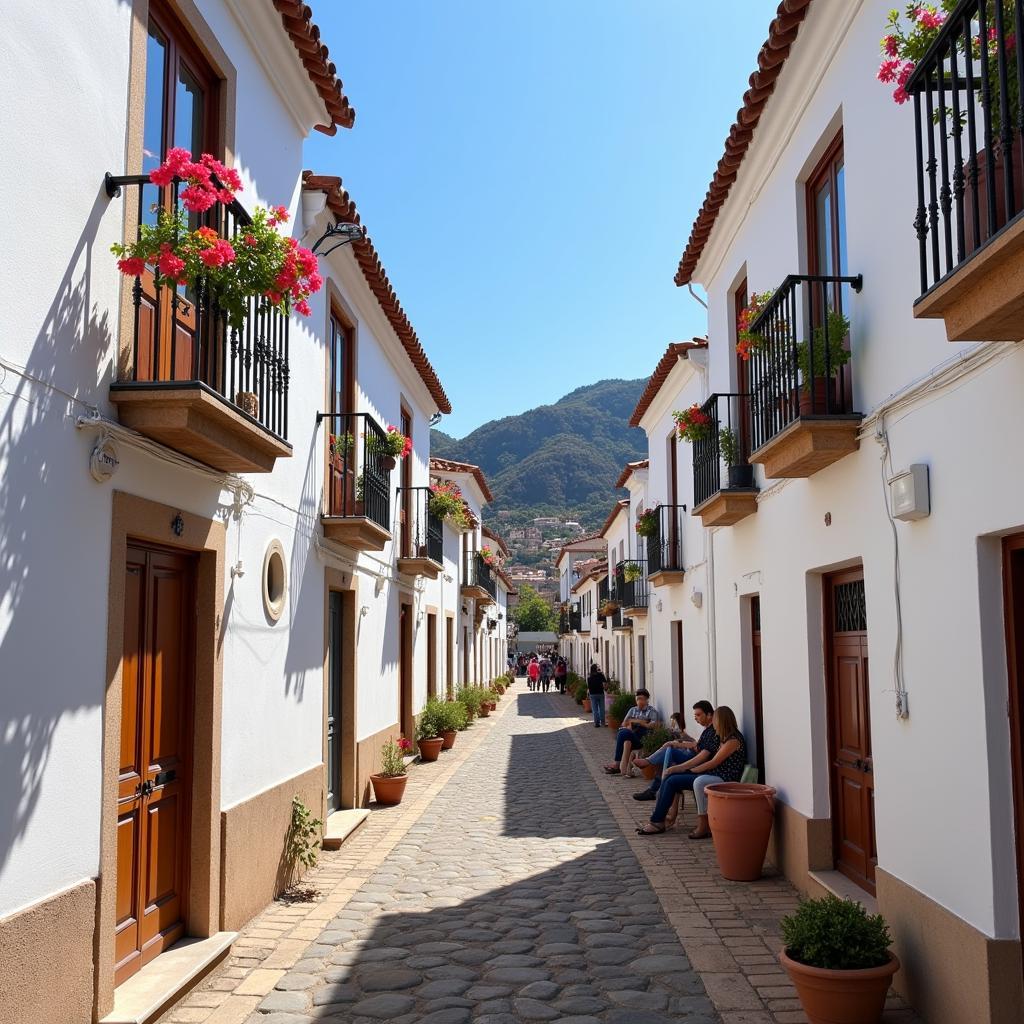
x,y
841,997
586,705
820,398
430,749
613,723
485,710
650,772
388,789
740,816
448,739
248,402
388,462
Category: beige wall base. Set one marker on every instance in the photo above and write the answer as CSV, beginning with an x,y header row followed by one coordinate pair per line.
x,y
253,834
951,972
368,760
46,953
800,845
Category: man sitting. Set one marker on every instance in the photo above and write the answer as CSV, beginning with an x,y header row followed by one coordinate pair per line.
x,y
676,752
638,721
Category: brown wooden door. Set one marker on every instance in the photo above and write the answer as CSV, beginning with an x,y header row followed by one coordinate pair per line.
x,y
431,654
677,666
853,807
154,779
1013,590
755,657
405,720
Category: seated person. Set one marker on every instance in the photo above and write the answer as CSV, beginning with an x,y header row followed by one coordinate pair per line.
x,y
701,771
675,752
638,721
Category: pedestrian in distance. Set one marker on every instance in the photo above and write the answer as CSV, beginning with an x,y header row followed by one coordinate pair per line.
x,y
595,690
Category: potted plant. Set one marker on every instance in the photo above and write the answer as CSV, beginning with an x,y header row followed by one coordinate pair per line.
x,y
741,473
647,522
340,447
693,424
837,956
747,341
429,729
817,390
608,608
488,556
740,816
389,783
632,571
619,706
445,501
453,720
469,697
394,445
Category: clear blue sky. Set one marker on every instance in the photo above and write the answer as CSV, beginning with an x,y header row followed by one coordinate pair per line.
x,y
529,172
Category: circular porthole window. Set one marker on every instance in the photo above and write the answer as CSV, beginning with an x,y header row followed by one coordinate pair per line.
x,y
275,580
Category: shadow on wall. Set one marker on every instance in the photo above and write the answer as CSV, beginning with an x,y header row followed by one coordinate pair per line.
x,y
37,430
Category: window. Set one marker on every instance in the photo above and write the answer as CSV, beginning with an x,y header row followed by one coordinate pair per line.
x,y
826,218
740,299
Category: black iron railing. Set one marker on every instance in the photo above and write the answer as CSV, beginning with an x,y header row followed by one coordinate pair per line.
x,y
665,547
727,440
800,363
603,594
477,573
969,116
181,337
422,533
358,470
575,620
632,591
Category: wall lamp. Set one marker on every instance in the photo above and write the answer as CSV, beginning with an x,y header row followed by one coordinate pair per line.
x,y
344,232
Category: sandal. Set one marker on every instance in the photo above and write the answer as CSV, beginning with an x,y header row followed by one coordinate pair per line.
x,y
650,830
700,835
612,771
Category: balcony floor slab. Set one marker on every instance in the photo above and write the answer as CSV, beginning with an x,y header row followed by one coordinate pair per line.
x,y
356,532
420,567
807,445
728,506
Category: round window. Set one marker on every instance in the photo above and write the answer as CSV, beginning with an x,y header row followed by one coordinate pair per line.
x,y
275,580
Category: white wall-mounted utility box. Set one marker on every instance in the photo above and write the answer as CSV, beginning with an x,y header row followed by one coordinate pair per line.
x,y
908,492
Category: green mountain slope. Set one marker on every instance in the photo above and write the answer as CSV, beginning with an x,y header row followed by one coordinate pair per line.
x,y
560,459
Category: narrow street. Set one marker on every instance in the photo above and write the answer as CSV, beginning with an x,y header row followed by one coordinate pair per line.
x,y
505,889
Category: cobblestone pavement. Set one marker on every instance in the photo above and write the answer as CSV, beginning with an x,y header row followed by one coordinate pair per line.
x,y
507,888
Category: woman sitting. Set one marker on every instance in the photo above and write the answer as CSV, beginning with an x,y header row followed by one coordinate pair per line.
x,y
725,765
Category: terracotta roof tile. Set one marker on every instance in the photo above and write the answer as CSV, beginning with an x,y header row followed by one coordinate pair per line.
x,y
297,18
781,36
344,208
448,466
619,506
596,537
676,350
631,468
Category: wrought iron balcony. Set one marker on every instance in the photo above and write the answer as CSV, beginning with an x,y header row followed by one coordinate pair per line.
x,y
477,578
801,386
665,547
357,500
575,620
190,381
603,594
633,591
970,172
724,501
421,543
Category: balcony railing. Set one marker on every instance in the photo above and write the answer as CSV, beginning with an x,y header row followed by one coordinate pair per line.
x,y
477,573
422,533
665,548
181,338
969,125
800,365
633,591
575,620
727,440
603,594
358,475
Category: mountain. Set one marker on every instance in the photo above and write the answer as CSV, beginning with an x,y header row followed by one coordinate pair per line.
x,y
556,460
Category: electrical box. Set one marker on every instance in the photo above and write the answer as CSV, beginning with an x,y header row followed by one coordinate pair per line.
x,y
908,493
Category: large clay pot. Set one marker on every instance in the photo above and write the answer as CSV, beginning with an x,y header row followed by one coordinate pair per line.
x,y
586,705
740,816
841,997
650,772
448,739
613,723
485,710
430,749
388,789
820,399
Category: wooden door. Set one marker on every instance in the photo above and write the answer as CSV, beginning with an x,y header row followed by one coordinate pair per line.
x,y
334,686
853,809
155,775
405,720
449,656
431,654
1013,593
755,658
677,666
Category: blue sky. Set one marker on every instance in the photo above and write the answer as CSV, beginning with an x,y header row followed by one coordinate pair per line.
x,y
529,172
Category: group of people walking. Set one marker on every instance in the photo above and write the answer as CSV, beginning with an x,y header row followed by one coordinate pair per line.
x,y
542,671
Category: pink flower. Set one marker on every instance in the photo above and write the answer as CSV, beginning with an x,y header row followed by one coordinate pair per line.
x,y
891,45
930,19
275,297
315,283
170,265
905,72
195,172
307,262
900,95
218,254
133,266
197,199
226,196
161,176
887,71
278,215
250,240
302,306
177,158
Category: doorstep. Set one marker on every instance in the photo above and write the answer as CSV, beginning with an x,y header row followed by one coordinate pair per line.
x,y
845,888
341,824
166,979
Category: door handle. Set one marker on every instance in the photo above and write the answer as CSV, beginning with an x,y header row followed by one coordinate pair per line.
x,y
146,788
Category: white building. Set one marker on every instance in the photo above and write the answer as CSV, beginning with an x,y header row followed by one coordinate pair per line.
x,y
905,786
177,542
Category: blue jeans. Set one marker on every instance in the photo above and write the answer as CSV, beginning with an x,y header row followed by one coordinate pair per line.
x,y
597,707
627,735
667,758
670,787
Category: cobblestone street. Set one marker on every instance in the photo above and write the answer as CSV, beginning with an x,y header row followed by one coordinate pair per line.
x,y
505,889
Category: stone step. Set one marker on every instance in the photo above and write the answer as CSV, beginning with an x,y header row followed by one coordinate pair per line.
x,y
341,824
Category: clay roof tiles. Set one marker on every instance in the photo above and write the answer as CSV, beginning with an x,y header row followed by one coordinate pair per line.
x,y
594,539
344,208
676,350
297,18
449,466
619,506
631,468
772,57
